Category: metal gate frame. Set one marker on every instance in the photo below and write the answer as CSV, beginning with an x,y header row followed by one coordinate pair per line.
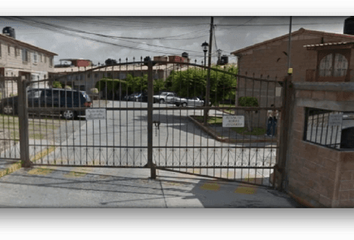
x,y
281,151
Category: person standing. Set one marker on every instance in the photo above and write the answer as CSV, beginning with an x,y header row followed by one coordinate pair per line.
x,y
272,118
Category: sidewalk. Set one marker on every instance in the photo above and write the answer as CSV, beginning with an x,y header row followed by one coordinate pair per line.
x,y
126,187
108,187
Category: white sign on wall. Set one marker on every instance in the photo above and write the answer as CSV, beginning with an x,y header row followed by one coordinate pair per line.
x,y
278,91
335,119
95,114
233,121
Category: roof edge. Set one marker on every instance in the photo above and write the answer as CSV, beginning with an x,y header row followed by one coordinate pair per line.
x,y
16,41
300,31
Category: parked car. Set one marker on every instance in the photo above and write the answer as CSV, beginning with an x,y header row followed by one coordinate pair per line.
x,y
141,97
165,97
50,100
131,97
195,102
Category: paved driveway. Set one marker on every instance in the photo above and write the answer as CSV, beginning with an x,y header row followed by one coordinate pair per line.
x,y
106,143
121,140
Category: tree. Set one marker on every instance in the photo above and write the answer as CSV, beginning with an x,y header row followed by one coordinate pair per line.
x,y
159,85
56,84
136,84
187,83
192,82
248,102
110,87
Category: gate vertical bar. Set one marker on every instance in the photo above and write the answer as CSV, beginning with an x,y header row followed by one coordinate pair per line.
x,y
23,122
285,118
207,95
150,101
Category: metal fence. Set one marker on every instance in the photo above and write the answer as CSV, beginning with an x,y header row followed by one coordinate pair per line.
x,y
9,123
326,128
130,122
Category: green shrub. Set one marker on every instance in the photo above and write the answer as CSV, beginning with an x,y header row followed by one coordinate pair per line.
x,y
57,84
248,102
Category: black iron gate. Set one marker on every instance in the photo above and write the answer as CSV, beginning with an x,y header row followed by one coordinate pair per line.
x,y
149,114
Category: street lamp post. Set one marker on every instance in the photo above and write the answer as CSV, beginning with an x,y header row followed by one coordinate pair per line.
x,y
205,46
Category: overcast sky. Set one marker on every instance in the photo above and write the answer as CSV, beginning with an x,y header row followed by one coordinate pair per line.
x,y
100,38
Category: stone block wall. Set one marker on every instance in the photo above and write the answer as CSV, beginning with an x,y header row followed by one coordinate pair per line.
x,y
318,176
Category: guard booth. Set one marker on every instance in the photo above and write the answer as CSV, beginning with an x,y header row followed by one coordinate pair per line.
x,y
320,158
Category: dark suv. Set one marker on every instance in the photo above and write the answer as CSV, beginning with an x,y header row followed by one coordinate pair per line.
x,y
69,103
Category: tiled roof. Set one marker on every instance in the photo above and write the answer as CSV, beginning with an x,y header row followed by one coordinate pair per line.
x,y
298,32
328,44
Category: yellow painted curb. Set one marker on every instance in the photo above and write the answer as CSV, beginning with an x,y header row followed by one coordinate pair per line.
x,y
40,171
42,154
11,169
210,186
16,166
80,172
245,190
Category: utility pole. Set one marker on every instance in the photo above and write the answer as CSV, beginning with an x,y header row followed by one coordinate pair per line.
x,y
219,56
289,47
207,98
285,121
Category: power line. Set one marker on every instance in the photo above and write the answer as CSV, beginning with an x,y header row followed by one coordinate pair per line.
x,y
176,23
60,29
104,35
275,24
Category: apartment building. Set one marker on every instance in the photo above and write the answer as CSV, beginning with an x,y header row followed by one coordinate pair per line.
x,y
18,58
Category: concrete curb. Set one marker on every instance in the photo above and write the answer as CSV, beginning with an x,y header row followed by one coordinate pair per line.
x,y
213,134
12,168
16,166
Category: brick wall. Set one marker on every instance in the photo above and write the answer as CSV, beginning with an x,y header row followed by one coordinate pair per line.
x,y
319,176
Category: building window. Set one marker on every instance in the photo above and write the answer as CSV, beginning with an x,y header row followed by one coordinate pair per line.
x,y
45,59
51,62
333,65
0,51
34,57
17,51
24,55
8,49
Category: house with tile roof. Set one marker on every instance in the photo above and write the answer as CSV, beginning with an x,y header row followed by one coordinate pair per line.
x,y
315,57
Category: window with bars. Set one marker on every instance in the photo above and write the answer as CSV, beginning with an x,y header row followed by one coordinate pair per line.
x,y
331,129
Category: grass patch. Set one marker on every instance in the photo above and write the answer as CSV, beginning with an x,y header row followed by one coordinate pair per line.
x,y
231,111
40,128
36,136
